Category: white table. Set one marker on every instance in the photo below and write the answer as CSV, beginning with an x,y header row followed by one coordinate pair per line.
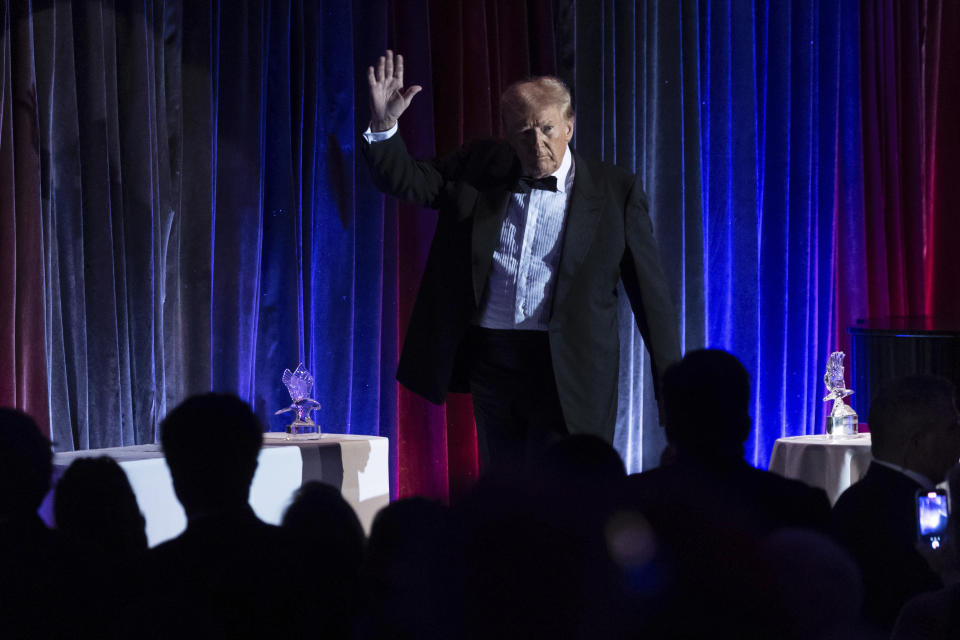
x,y
831,463
357,465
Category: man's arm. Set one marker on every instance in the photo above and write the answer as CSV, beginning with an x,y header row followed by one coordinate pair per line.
x,y
393,170
646,286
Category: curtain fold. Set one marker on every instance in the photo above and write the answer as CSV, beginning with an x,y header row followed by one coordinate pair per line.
x,y
196,203
737,118
23,362
776,131
634,74
911,137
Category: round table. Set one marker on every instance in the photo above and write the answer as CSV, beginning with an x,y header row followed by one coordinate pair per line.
x,y
831,463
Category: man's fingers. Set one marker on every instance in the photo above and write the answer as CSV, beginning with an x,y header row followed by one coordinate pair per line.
x,y
398,71
380,64
371,77
388,69
410,92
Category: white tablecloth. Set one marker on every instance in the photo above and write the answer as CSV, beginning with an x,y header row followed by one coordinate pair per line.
x,y
357,465
832,464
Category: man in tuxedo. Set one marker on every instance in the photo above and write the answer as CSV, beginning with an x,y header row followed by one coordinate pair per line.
x,y
915,431
518,302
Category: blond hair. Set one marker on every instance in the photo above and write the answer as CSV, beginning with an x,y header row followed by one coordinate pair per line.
x,y
538,91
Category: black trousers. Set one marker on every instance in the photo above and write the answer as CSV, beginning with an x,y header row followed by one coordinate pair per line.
x,y
515,400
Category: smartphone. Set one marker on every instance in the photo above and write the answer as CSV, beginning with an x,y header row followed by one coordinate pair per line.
x,y
932,515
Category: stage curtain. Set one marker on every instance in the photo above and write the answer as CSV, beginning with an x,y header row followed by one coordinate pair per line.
x,y
740,118
633,68
911,95
182,208
23,378
191,221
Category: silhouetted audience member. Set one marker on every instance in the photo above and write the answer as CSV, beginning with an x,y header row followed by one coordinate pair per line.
x,y
229,575
808,587
30,554
708,508
935,615
326,527
580,461
411,573
97,516
536,562
95,509
915,440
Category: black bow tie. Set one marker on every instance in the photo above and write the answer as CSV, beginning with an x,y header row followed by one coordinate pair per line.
x,y
525,184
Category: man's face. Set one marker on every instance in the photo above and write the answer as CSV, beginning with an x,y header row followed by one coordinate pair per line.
x,y
539,137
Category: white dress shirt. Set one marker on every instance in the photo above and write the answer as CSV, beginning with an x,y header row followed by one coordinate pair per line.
x,y
519,293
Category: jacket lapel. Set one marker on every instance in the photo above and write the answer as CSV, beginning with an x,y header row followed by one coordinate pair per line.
x,y
580,228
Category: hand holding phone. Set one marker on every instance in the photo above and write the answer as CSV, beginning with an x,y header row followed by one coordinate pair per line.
x,y
932,517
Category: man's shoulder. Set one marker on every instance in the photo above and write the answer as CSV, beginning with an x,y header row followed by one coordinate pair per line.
x,y
881,507
793,492
612,173
881,486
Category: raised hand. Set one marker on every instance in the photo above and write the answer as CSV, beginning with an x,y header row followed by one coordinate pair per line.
x,y
388,99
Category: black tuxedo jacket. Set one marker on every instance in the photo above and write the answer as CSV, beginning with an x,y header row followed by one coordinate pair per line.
x,y
876,520
608,237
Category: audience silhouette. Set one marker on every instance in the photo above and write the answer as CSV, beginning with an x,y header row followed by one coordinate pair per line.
x,y
327,529
708,508
229,575
96,511
807,586
30,554
103,533
915,440
566,545
935,615
410,574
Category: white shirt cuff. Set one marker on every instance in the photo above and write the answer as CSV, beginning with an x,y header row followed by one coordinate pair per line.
x,y
380,136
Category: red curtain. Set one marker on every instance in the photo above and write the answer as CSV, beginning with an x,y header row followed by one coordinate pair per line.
x,y
911,138
23,379
473,50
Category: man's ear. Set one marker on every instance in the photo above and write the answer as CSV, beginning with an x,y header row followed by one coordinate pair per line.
x,y
570,129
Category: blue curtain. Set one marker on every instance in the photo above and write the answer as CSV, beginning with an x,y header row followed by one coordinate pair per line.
x,y
199,206
743,119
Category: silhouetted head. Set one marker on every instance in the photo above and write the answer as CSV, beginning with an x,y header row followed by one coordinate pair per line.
x,y
537,117
401,528
706,398
95,508
26,463
581,459
410,572
797,576
914,424
211,443
319,514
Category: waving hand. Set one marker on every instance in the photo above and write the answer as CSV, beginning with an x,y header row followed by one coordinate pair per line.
x,y
388,98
